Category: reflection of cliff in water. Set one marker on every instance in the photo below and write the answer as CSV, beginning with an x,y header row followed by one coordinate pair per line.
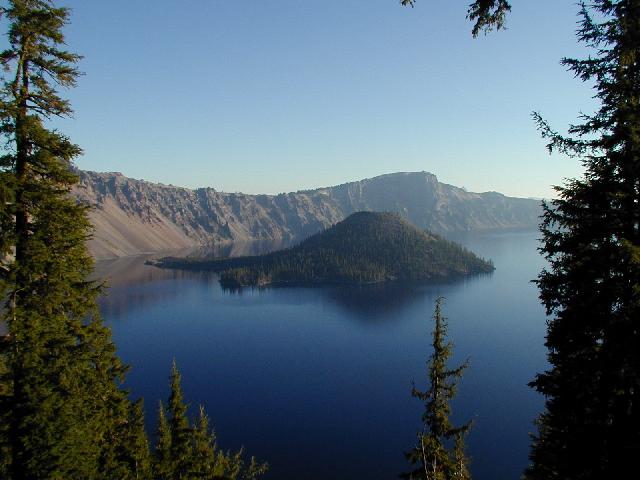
x,y
144,286
133,270
240,249
132,284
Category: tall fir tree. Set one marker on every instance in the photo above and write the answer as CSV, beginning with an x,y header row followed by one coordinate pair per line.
x,y
439,453
186,451
204,449
162,465
590,428
135,446
62,412
130,457
181,450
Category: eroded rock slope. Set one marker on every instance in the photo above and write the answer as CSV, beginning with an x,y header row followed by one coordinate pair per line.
x,y
135,216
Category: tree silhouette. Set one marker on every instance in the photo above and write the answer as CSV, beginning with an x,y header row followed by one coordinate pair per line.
x,y
439,453
591,237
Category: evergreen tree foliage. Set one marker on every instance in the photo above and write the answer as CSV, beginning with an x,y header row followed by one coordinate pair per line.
x,y
439,453
63,415
162,467
129,457
487,14
181,450
204,448
212,463
590,428
134,458
189,451
365,247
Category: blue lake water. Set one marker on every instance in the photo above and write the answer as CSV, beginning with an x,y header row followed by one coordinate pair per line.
x,y
317,381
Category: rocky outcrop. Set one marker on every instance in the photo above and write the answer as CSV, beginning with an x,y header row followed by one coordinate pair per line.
x,y
133,216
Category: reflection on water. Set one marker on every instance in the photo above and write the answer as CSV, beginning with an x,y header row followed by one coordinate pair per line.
x,y
317,380
126,296
370,303
125,277
240,249
132,270
376,302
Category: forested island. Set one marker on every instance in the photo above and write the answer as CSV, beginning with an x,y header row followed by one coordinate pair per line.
x,y
366,247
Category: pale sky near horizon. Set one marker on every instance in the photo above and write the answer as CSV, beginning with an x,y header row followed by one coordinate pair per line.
x,y
279,95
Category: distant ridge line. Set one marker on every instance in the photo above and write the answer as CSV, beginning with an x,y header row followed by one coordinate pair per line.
x,y
136,216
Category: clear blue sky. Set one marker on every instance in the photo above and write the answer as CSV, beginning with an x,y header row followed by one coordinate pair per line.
x,y
279,95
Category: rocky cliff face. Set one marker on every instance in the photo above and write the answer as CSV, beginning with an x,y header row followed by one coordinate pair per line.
x,y
134,216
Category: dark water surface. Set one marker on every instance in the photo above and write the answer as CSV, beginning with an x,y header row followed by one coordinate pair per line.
x,y
317,381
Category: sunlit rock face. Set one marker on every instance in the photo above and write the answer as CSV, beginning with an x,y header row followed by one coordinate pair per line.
x,y
134,216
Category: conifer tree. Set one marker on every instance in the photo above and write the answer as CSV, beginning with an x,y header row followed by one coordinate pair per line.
x,y
486,14
129,458
439,453
204,449
590,428
162,467
181,450
188,451
135,446
63,415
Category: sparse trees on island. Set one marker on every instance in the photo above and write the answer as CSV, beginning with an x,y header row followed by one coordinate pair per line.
x,y
366,247
439,453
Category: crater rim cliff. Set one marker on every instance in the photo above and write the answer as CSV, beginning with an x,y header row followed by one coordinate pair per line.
x,y
134,217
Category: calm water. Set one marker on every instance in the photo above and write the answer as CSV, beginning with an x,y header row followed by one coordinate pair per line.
x,y
316,381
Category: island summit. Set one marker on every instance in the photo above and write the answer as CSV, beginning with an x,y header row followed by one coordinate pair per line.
x,y
366,247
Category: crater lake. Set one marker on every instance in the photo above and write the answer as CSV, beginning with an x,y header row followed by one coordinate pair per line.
x,y
317,381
